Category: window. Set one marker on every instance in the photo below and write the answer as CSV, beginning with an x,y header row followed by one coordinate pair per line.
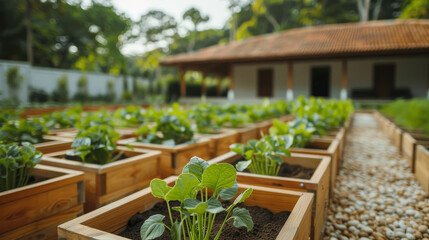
x,y
320,81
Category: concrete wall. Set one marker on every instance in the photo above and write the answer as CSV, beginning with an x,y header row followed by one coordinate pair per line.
x,y
411,72
47,78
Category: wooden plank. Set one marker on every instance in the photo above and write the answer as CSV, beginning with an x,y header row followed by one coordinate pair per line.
x,y
422,167
35,210
111,219
409,145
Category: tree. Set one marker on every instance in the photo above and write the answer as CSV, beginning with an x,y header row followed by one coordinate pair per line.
x,y
416,9
156,27
196,18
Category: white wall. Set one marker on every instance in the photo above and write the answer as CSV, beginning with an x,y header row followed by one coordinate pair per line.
x,y
411,72
47,78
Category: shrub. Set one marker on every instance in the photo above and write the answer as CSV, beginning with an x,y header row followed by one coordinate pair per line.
x,y
14,80
61,93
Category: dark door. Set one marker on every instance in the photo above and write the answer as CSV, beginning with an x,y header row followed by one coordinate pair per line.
x,y
384,80
265,82
320,81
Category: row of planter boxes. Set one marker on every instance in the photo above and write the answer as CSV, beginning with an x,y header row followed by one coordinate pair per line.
x,y
110,182
413,145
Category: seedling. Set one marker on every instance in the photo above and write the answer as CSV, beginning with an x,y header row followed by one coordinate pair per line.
x,y
16,164
96,145
169,130
301,130
264,156
25,131
197,216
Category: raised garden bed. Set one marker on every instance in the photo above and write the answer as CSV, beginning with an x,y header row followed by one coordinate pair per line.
x,y
219,143
324,147
422,166
409,146
53,144
318,183
124,132
112,181
34,211
246,133
173,159
110,220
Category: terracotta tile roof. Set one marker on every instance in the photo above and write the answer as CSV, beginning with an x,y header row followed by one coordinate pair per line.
x,y
337,40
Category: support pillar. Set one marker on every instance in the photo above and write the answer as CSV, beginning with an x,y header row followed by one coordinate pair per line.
x,y
343,93
231,83
204,86
182,83
289,92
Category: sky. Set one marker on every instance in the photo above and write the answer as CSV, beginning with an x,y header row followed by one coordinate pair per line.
x,y
217,10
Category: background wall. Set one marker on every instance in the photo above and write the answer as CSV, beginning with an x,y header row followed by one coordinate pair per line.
x,y
411,72
47,78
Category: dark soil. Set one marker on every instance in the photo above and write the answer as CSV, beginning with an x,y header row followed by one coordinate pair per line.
x,y
33,180
267,225
291,171
78,159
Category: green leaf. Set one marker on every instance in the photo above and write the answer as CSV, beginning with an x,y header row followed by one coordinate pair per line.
x,y
196,166
152,228
195,206
214,206
241,165
159,188
241,198
175,232
82,141
276,158
242,218
229,193
183,188
219,176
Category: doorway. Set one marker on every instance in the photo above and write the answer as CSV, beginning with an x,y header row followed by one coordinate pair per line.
x,y
384,80
265,82
320,81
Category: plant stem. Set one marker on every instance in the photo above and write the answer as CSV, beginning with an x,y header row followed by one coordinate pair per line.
x,y
169,213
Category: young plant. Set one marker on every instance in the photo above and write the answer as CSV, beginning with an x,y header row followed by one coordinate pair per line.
x,y
204,117
263,156
169,130
95,144
25,131
129,116
197,216
101,117
62,119
301,130
16,164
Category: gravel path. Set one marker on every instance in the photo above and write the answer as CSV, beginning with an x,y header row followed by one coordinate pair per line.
x,y
376,195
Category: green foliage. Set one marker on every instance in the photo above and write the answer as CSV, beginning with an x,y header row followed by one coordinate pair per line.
x,y
82,94
412,114
169,130
62,119
14,80
16,164
416,9
197,215
26,130
6,116
95,144
101,117
129,116
263,156
301,130
111,94
127,96
61,93
204,116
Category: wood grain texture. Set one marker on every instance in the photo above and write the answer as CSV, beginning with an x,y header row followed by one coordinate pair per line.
x,y
34,211
112,181
422,166
318,184
409,146
53,144
111,219
220,142
246,133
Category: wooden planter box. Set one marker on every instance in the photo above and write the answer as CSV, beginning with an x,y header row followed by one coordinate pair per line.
x,y
422,166
112,219
317,184
324,147
124,132
173,159
112,181
53,144
219,143
34,211
340,135
409,146
56,132
246,133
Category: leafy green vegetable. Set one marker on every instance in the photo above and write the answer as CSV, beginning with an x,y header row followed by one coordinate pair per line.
x,y
16,164
101,117
169,130
264,156
26,130
301,130
197,216
205,118
129,116
62,119
95,145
